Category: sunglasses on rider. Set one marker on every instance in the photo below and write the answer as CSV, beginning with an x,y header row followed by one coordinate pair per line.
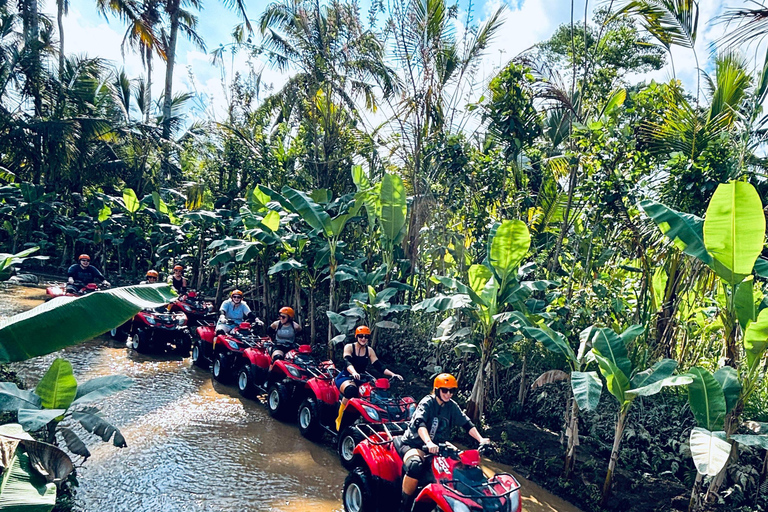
x,y
364,336
283,316
237,296
448,390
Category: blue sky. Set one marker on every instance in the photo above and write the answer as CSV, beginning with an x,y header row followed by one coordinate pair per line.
x,y
526,23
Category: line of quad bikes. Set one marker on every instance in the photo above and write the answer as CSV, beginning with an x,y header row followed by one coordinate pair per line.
x,y
301,387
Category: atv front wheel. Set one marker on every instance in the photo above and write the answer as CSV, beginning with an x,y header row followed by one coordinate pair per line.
x,y
118,334
357,495
348,439
278,400
140,342
309,419
184,344
245,381
219,368
197,355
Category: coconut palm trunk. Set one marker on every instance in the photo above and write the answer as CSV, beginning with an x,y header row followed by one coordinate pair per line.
x,y
173,11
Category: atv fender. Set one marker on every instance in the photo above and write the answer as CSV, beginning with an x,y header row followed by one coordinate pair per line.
x,y
356,404
382,460
206,333
257,358
324,390
433,494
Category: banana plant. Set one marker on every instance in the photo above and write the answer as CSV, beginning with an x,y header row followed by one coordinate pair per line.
x,y
729,240
712,398
58,400
626,383
586,387
386,205
320,220
495,288
31,471
8,261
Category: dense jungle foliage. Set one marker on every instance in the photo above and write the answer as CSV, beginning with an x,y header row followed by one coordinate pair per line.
x,y
581,248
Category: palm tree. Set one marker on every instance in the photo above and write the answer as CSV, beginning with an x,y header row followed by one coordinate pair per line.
x,y
337,61
439,72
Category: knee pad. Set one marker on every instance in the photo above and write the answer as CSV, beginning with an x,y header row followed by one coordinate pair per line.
x,y
414,466
277,356
351,391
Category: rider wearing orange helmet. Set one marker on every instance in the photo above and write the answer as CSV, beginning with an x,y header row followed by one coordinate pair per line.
x,y
357,356
431,424
83,273
152,277
285,332
232,312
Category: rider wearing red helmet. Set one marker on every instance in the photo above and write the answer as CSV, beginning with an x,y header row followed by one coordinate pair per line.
x,y
285,332
232,312
357,356
83,273
431,424
178,281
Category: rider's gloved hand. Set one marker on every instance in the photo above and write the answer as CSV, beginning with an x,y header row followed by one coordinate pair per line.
x,y
432,447
484,440
106,283
397,376
70,281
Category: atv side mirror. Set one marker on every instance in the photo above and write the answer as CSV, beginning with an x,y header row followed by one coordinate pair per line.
x,y
91,286
192,295
244,326
305,349
382,383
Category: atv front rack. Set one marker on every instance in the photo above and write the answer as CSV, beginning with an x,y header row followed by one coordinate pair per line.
x,y
477,490
380,434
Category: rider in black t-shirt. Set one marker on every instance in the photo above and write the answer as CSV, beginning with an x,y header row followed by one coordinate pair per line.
x,y
83,273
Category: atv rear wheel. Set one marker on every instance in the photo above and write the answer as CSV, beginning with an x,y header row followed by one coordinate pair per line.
x,y
140,342
245,381
348,439
278,400
309,419
357,495
197,355
118,334
219,367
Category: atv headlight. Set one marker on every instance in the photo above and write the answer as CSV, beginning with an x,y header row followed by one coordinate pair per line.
x,y
150,320
186,308
181,320
456,505
411,410
294,371
232,344
371,412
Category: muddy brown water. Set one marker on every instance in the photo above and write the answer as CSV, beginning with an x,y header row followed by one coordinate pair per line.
x,y
196,445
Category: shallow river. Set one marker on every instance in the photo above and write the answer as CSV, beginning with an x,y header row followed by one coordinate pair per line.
x,y
194,444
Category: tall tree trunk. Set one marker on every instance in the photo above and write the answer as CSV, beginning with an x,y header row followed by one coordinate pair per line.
x,y
148,99
475,404
331,304
312,314
173,12
620,424
60,21
521,391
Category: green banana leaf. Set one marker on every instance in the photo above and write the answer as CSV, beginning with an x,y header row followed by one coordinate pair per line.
x,y
285,265
101,387
271,220
58,387
393,207
728,378
454,284
443,303
509,245
67,321
706,398
745,302
684,229
312,213
756,338
751,440
656,386
659,371
606,343
552,341
615,379
587,388
734,230
710,451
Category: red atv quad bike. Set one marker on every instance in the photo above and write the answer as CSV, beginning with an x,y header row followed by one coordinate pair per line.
x,y
224,351
198,310
156,329
375,407
285,382
61,290
454,482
